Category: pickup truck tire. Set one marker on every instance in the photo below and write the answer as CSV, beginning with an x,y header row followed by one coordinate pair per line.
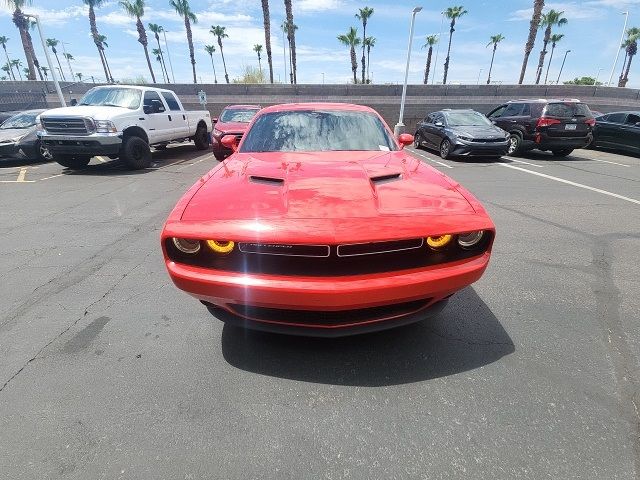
x,y
201,138
135,153
75,163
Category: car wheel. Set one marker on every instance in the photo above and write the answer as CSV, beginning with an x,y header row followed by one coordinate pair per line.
x,y
562,153
515,144
135,153
43,153
417,141
201,138
445,149
74,163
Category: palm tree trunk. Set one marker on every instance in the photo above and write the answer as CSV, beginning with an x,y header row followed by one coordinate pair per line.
x,y
162,64
215,77
427,66
364,37
260,64
292,40
625,79
290,60
33,55
553,47
19,72
96,40
368,62
267,36
538,5
493,55
624,63
224,64
543,53
11,75
59,66
446,62
142,38
106,62
187,25
354,64
21,22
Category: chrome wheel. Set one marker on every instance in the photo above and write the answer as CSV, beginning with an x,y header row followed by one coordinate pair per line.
x,y
445,149
514,144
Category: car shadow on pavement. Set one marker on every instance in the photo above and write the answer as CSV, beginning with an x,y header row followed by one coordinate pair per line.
x,y
464,336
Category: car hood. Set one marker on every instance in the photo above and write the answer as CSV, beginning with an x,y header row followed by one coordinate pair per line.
x,y
10,133
97,112
234,127
326,185
480,131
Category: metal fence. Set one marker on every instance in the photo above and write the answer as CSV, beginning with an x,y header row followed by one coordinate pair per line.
x,y
10,101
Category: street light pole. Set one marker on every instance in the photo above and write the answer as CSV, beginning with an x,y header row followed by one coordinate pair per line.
x,y
435,64
597,76
46,53
479,73
562,66
624,29
400,126
166,46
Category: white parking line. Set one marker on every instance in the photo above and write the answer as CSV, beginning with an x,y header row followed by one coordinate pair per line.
x,y
607,161
431,159
53,176
207,157
569,182
521,161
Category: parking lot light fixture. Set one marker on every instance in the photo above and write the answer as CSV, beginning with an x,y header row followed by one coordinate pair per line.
x,y
399,128
624,30
46,53
562,66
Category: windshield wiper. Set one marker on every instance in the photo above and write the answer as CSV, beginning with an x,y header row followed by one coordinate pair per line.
x,y
110,105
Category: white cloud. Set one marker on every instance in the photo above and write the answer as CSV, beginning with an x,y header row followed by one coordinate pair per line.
x,y
307,6
116,18
49,17
572,10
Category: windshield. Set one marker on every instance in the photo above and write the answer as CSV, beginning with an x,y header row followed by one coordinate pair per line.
x,y
241,115
568,109
113,97
21,120
317,131
466,119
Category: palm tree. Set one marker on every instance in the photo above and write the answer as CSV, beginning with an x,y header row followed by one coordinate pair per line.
x,y
79,75
26,72
267,36
45,70
258,49
32,26
7,68
495,40
291,37
156,52
22,23
52,43
286,28
69,57
157,30
351,40
183,9
102,40
548,21
3,42
363,15
431,41
135,9
538,5
452,13
555,38
210,49
93,4
369,42
17,64
631,49
219,32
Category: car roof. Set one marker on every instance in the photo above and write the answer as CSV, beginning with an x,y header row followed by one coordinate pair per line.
x,y
545,100
135,87
627,112
285,107
258,107
448,110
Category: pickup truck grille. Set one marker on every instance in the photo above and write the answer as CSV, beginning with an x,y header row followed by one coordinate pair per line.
x,y
67,125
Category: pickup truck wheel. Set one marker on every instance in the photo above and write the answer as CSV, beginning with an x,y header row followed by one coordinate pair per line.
x,y
74,163
201,138
135,153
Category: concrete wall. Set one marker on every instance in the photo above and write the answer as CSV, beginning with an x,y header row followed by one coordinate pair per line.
x,y
421,99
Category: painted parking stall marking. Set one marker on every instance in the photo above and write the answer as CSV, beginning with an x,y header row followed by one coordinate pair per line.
x,y
429,158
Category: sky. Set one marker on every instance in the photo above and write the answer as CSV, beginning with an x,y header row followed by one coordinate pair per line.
x,y
592,34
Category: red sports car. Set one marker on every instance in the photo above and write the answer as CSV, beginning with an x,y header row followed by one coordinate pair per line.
x,y
320,224
233,120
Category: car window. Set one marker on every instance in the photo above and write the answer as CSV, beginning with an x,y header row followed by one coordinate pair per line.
x,y
632,119
567,110
459,119
498,112
317,131
513,110
241,115
429,118
149,96
438,117
171,100
526,110
22,120
615,117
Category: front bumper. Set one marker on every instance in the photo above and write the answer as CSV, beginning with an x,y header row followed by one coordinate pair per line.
x,y
95,144
227,291
473,149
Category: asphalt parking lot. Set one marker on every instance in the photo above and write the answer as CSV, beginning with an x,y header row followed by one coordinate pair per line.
x,y
108,371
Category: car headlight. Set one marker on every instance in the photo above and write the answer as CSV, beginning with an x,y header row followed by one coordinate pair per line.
x,y
187,245
471,239
105,126
217,132
466,139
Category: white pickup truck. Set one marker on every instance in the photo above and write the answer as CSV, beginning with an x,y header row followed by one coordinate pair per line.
x,y
121,122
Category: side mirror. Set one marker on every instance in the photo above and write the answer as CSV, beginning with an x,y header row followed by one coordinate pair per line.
x,y
157,106
439,124
637,124
405,139
229,141
73,102
214,119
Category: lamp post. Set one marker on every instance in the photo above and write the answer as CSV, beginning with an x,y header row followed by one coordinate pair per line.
x,y
46,53
399,128
624,29
562,66
597,76
166,46
479,73
435,64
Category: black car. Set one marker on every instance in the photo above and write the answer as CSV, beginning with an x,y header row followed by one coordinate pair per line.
x,y
18,139
556,125
618,130
461,133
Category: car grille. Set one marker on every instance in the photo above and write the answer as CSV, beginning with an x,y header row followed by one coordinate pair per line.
x,y
329,318
67,125
489,140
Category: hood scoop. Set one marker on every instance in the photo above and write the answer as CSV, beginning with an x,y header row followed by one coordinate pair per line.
x,y
380,179
266,180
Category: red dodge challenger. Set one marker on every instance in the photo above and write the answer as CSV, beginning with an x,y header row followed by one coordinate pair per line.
x,y
320,224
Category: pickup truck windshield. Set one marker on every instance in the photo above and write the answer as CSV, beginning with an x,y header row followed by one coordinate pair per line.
x,y
113,97
317,131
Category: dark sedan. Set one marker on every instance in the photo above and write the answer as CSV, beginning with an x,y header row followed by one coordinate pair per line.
x,y
618,130
461,133
18,139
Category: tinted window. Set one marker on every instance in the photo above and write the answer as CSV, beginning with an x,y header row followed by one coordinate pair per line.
x,y
112,97
513,110
242,115
149,96
170,98
633,119
526,110
317,130
567,110
498,112
22,120
616,117
459,119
